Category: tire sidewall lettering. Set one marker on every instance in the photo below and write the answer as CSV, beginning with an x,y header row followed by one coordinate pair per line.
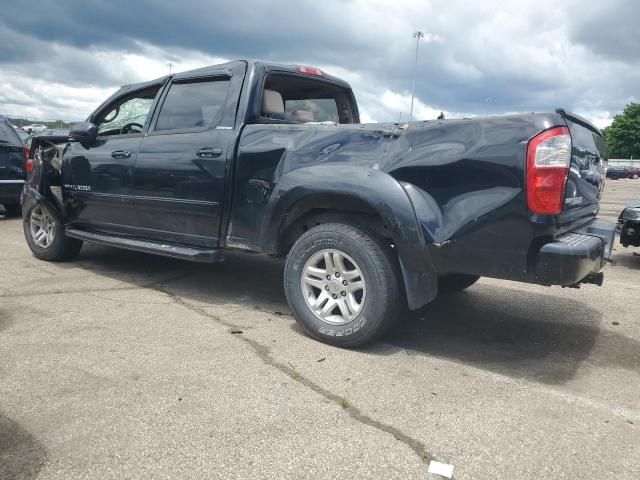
x,y
345,331
315,245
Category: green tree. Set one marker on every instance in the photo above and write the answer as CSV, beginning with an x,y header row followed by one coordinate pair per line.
x,y
623,135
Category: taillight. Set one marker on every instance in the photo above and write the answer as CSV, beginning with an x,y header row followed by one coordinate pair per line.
x,y
548,160
28,161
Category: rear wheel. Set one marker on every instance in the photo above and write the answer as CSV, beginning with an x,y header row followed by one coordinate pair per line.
x,y
44,232
342,284
13,209
613,176
455,282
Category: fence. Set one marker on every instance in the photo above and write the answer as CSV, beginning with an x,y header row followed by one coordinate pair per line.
x,y
624,162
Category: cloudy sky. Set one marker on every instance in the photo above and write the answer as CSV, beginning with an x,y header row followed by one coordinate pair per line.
x,y
61,58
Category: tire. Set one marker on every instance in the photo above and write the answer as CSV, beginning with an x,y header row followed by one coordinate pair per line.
x,y
13,209
635,176
371,307
614,177
52,245
455,282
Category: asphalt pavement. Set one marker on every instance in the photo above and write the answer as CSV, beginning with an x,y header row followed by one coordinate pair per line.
x,y
125,365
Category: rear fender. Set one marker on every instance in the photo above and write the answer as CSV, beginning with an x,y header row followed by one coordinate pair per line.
x,y
295,193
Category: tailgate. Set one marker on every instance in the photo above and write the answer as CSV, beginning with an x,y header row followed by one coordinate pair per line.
x,y
586,172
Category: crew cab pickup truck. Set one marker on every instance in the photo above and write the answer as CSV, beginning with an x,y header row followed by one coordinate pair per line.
x,y
372,218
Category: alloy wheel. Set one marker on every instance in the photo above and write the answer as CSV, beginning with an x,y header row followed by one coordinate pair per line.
x,y
333,286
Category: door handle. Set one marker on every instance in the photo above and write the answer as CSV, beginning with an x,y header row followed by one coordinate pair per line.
x,y
209,152
121,154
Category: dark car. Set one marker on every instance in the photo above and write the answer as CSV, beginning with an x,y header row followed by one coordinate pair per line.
x,y
372,219
12,167
616,173
629,222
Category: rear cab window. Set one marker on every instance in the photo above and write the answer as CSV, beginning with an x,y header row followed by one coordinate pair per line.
x,y
297,98
8,135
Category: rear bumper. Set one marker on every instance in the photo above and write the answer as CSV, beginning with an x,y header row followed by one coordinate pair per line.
x,y
575,256
10,191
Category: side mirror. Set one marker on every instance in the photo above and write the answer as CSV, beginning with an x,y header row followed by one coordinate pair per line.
x,y
84,132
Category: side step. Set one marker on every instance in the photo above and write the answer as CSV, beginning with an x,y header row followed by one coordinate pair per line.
x,y
203,255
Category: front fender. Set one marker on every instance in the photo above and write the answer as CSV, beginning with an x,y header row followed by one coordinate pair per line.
x,y
37,190
296,193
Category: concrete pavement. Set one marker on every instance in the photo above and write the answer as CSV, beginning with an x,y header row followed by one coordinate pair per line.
x,y
123,365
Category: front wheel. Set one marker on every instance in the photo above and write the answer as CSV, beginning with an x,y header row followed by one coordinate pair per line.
x,y
342,284
44,232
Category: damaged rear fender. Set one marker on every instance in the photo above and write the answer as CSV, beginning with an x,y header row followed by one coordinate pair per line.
x,y
300,191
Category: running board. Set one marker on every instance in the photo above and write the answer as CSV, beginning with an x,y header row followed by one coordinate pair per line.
x,y
202,255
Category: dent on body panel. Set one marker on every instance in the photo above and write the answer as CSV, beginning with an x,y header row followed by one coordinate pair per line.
x,y
340,144
268,154
459,176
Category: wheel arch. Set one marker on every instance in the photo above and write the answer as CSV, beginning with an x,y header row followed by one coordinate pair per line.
x,y
367,194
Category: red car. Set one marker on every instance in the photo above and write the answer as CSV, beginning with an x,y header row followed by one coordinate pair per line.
x,y
633,172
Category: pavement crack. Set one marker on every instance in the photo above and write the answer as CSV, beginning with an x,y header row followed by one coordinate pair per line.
x,y
264,354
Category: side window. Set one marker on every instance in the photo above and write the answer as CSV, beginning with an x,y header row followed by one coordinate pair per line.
x,y
193,105
127,115
312,110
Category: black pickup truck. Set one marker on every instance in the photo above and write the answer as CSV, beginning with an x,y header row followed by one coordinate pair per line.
x,y
372,218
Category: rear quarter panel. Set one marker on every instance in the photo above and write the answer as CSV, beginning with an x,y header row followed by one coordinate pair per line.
x,y
467,181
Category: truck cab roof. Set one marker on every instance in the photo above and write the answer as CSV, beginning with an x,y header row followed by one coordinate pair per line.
x,y
251,65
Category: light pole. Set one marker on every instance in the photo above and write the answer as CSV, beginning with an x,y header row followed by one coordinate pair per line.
x,y
418,34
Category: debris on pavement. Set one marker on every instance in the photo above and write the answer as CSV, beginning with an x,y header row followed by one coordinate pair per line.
x,y
442,469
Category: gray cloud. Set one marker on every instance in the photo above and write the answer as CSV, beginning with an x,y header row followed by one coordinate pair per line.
x,y
610,29
494,57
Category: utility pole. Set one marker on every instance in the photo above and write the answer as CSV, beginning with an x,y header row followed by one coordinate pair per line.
x,y
170,67
418,34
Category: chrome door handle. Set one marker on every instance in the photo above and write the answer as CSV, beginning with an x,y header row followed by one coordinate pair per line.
x,y
209,152
121,154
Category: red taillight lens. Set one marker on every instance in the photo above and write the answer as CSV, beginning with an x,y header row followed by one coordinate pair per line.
x,y
26,151
310,71
548,159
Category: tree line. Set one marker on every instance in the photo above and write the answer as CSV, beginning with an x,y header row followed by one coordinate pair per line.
x,y
623,135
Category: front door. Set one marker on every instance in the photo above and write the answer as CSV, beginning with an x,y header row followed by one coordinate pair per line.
x,y
98,178
181,165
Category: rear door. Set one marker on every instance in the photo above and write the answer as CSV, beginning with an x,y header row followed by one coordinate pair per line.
x,y
12,164
181,167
